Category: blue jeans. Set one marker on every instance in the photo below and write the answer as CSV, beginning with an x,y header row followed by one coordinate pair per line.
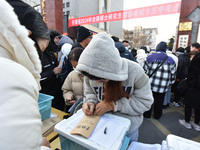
x,y
167,96
133,136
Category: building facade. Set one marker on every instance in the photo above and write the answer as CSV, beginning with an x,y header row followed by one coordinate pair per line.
x,y
189,23
81,8
141,37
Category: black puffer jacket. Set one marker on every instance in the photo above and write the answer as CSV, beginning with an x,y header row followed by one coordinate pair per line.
x,y
51,83
123,52
183,63
192,94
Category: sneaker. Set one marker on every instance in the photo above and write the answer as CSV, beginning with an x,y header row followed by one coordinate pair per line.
x,y
195,126
185,124
175,104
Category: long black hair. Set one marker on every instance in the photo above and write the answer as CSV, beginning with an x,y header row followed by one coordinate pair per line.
x,y
31,19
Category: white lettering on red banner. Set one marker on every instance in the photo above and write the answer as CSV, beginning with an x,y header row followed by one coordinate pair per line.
x,y
163,9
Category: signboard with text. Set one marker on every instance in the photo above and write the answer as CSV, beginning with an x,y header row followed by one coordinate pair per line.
x,y
156,10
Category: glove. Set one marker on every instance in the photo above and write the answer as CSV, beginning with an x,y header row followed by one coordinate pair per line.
x,y
88,108
103,107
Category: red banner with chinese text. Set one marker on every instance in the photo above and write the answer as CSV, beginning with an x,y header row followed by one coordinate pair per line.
x,y
156,10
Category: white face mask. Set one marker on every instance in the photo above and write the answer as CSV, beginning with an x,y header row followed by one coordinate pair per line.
x,y
126,48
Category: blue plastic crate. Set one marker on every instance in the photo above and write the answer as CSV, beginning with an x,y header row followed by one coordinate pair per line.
x,y
68,144
44,102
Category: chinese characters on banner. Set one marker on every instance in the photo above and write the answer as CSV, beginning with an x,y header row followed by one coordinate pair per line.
x,y
163,9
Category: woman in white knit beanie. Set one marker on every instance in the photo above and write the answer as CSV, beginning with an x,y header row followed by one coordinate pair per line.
x,y
112,83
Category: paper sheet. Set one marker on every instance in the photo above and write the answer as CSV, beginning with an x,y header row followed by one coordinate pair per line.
x,y
113,131
75,121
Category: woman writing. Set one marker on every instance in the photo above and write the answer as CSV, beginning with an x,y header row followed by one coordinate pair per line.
x,y
112,83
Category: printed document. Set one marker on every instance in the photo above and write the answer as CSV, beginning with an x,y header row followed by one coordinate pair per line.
x,y
106,132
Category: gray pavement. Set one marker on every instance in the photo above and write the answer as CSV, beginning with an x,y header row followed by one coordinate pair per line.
x,y
155,131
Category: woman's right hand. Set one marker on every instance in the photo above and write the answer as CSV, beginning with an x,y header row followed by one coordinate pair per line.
x,y
88,108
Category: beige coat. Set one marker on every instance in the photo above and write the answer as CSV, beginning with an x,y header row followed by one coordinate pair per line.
x,y
73,85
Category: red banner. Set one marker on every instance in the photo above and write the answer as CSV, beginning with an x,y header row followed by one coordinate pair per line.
x,y
156,10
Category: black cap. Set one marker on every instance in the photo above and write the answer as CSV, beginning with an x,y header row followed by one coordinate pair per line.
x,y
83,33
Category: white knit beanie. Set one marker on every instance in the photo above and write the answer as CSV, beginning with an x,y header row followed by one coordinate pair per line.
x,y
101,59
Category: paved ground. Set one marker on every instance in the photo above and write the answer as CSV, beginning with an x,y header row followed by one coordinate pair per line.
x,y
155,131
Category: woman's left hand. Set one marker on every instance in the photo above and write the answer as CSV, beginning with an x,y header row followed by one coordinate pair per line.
x,y
103,107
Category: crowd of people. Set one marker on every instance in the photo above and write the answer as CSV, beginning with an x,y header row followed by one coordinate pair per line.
x,y
100,69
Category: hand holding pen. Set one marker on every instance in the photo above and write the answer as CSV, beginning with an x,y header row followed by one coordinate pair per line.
x,y
88,108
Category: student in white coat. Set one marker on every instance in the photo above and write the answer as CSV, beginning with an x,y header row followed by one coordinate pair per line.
x,y
21,126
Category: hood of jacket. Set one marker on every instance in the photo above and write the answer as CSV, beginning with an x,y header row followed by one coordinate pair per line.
x,y
101,59
15,43
64,39
162,46
120,46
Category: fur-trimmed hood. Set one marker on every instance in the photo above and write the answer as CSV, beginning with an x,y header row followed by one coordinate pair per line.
x,y
15,43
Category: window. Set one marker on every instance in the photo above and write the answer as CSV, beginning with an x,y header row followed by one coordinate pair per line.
x,y
64,5
105,26
67,4
68,12
105,4
63,13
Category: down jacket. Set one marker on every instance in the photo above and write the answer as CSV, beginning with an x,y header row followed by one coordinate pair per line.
x,y
73,85
21,126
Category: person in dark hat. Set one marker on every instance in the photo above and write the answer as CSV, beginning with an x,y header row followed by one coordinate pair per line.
x,y
162,77
84,37
123,52
115,39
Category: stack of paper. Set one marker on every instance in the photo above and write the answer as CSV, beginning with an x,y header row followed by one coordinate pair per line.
x,y
48,125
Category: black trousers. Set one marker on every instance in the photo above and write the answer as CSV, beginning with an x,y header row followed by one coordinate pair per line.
x,y
157,106
177,94
188,113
